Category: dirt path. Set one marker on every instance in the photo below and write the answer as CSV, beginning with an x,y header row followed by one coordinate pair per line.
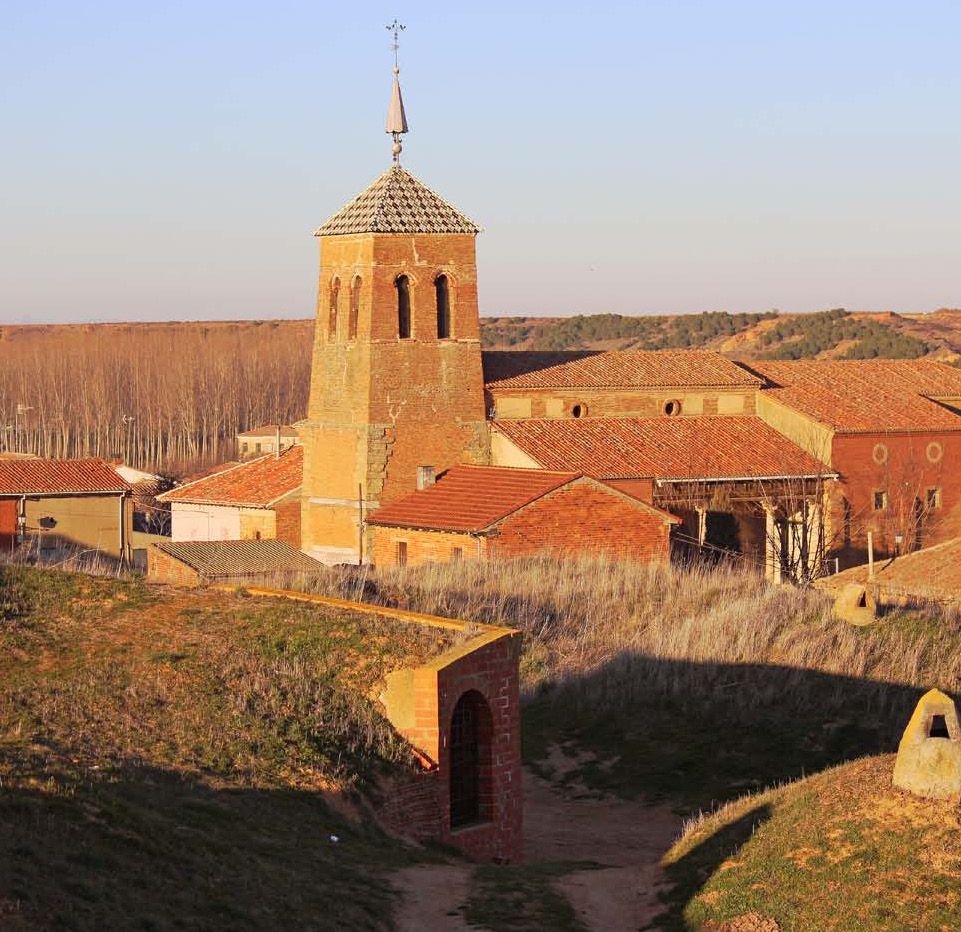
x,y
627,837
433,896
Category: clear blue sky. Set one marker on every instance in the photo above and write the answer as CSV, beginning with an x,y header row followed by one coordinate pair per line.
x,y
169,161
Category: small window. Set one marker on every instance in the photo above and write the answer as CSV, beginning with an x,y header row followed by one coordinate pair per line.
x,y
258,448
442,289
256,535
334,298
245,448
880,501
672,407
457,554
939,727
934,498
403,307
579,410
402,553
354,309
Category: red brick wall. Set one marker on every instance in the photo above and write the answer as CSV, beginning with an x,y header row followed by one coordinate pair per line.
x,y
8,523
288,521
583,518
491,669
413,803
161,567
911,467
423,546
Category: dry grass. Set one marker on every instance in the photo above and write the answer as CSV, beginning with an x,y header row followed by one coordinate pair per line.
x,y
697,682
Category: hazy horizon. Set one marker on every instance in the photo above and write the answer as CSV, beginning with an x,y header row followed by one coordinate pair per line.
x,y
170,164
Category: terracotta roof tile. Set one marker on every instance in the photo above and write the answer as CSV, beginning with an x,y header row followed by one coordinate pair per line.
x,y
257,483
933,573
621,369
397,202
46,477
704,447
238,557
471,498
870,396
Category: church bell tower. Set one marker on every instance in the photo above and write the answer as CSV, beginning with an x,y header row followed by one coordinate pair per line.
x,y
396,379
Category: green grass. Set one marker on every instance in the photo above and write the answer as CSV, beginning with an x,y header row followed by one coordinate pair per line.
x,y
164,760
842,851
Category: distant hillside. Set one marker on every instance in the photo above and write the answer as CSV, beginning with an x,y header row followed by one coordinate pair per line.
x,y
828,334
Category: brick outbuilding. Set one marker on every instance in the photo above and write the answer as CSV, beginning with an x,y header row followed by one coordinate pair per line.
x,y
482,512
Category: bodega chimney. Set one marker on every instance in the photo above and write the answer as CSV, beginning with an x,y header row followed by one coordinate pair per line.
x,y
425,477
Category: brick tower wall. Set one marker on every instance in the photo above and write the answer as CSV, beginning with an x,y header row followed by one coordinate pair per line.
x,y
380,406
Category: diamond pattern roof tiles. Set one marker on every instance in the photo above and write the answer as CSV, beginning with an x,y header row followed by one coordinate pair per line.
x,y
397,202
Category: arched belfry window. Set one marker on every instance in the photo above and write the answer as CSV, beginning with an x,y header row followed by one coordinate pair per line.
x,y
354,308
403,306
470,760
334,298
442,288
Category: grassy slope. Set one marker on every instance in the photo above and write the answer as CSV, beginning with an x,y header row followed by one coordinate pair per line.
x,y
842,851
160,758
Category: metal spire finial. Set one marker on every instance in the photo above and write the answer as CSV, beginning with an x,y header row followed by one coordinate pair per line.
x,y
396,118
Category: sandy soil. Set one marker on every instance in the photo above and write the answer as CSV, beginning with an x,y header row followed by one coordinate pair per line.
x,y
627,838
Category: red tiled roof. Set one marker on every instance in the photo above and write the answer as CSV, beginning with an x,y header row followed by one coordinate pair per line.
x,y
49,477
704,447
866,396
471,498
932,572
619,369
257,483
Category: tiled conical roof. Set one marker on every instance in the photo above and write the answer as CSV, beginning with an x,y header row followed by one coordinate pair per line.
x,y
397,203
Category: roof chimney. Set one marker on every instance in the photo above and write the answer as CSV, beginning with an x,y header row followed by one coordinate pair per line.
x,y
425,477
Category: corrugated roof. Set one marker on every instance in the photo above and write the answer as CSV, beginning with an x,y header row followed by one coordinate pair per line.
x,y
238,557
471,498
397,202
620,369
705,447
46,477
255,484
866,396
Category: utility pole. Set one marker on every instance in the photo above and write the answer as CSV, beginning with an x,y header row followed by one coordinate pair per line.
x,y
21,409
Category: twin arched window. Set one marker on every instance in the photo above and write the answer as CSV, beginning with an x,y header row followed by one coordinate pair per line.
x,y
442,296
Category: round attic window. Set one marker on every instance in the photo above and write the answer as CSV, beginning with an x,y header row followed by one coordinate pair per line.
x,y
934,452
672,407
880,453
579,410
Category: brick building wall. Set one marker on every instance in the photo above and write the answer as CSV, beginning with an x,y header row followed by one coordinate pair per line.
x,y
424,546
421,704
287,522
906,468
8,523
163,568
538,403
583,518
381,406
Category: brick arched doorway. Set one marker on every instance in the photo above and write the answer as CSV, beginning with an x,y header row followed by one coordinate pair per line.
x,y
470,761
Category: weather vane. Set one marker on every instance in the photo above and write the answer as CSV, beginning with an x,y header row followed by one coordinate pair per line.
x,y
397,28
396,118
